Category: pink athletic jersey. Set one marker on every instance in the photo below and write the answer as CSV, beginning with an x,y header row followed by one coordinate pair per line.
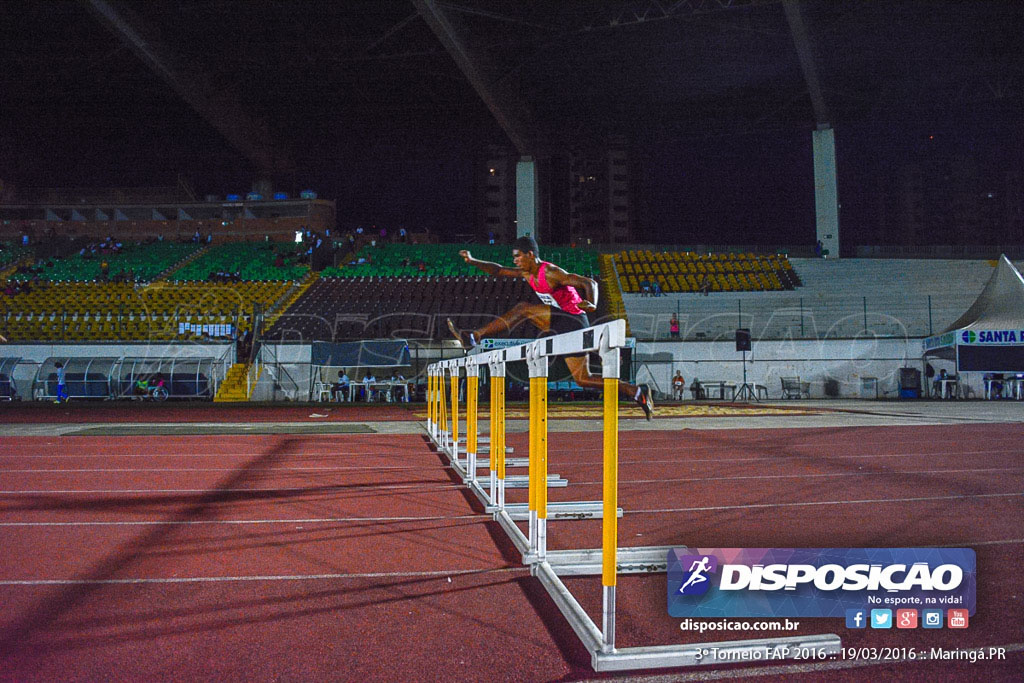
x,y
565,297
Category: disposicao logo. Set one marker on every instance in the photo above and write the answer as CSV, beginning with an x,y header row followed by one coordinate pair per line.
x,y
817,582
969,337
697,580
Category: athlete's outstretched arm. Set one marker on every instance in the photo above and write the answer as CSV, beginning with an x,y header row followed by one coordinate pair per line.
x,y
584,285
489,267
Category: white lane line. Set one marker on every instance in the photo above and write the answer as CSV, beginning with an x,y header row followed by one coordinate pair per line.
x,y
971,544
309,520
442,484
768,459
245,456
716,508
804,476
763,459
225,469
270,577
314,490
683,451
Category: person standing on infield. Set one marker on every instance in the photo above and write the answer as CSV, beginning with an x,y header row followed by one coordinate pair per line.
x,y
561,309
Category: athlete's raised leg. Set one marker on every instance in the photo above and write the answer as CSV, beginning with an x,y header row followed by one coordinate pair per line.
x,y
641,394
539,315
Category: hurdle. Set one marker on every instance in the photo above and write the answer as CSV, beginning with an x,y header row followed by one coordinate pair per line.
x,y
548,567
463,454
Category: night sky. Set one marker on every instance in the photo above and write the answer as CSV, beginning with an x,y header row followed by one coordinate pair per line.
x,y
394,144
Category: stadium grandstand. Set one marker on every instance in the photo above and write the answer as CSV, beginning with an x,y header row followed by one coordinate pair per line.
x,y
165,291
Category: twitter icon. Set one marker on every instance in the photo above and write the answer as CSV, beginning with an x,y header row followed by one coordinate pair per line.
x,y
881,618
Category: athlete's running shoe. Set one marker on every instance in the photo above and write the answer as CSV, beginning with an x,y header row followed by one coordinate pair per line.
x,y
466,338
645,401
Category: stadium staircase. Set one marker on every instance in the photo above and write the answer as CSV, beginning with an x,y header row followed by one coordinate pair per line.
x,y
6,271
612,291
235,387
197,254
282,306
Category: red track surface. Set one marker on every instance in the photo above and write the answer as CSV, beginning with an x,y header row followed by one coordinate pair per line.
x,y
359,557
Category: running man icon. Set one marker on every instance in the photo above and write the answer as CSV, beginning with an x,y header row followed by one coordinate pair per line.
x,y
697,570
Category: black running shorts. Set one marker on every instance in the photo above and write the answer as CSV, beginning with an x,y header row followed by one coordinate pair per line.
x,y
562,322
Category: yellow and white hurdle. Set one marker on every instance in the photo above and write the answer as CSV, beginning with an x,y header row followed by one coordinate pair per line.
x,y
549,566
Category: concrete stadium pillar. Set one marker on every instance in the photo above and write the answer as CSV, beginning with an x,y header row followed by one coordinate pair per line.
x,y
527,204
826,192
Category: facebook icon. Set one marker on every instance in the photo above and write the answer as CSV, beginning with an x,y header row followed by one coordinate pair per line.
x,y
856,618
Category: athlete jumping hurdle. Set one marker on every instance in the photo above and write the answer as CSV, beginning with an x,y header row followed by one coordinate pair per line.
x,y
561,310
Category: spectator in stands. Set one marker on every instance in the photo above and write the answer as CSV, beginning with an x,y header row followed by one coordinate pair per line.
x,y
196,237
396,388
490,237
705,284
656,287
673,327
678,386
340,388
562,308
279,260
403,236
62,388
937,383
244,345
696,390
995,384
368,381
383,235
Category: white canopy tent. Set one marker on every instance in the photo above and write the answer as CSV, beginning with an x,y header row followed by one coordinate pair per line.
x,y
989,336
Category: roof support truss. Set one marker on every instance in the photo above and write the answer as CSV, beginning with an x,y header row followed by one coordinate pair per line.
x,y
500,103
246,134
807,62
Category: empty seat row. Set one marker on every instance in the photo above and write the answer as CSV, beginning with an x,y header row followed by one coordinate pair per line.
x,y
341,308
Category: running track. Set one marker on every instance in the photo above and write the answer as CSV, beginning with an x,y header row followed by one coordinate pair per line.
x,y
351,557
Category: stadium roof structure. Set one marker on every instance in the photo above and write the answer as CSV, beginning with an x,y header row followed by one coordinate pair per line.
x,y
275,81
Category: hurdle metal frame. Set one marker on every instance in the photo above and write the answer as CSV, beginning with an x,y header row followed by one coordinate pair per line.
x,y
609,560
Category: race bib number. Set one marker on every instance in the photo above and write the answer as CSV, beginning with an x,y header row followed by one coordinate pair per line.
x,y
548,299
